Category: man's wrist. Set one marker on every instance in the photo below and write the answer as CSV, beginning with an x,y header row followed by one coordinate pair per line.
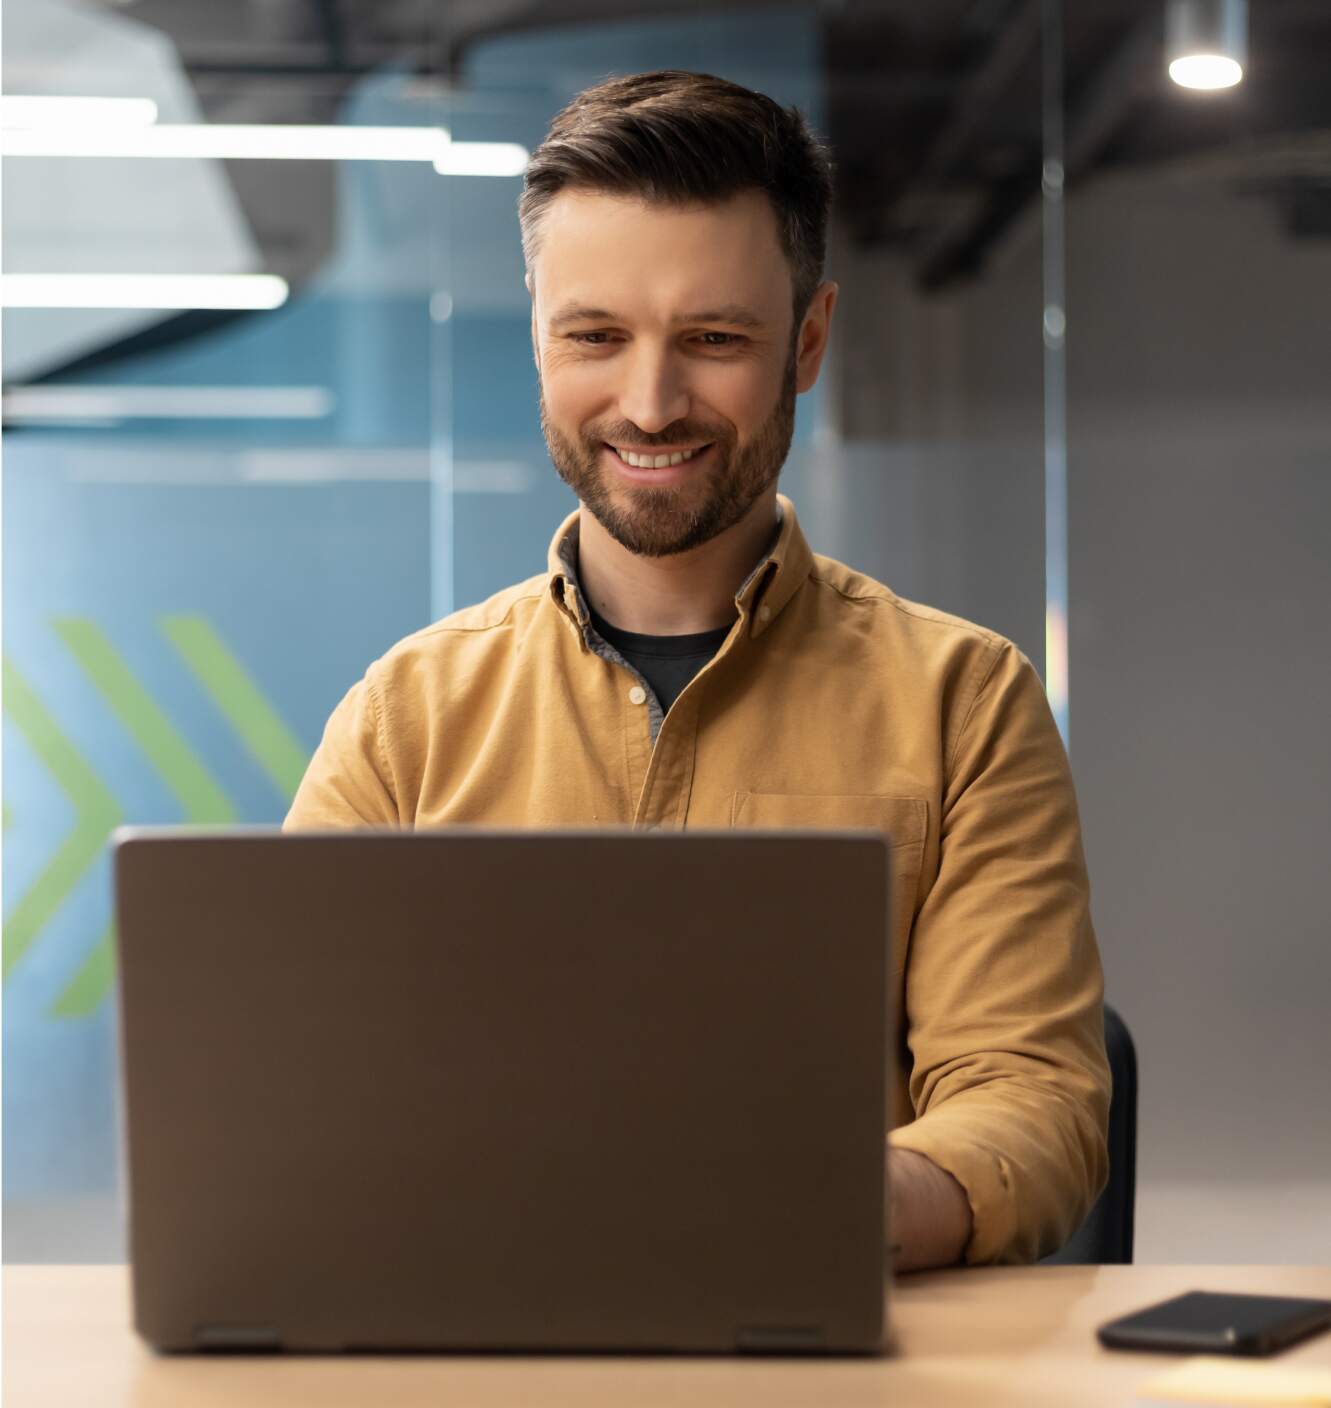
x,y
929,1214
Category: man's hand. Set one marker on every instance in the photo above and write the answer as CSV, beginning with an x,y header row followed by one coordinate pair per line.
x,y
929,1216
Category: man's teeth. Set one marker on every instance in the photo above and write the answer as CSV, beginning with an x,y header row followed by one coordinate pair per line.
x,y
655,461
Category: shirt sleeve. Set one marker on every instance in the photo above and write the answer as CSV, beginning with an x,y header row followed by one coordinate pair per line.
x,y
1004,989
348,781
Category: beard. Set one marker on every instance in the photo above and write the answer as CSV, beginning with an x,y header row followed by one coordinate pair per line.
x,y
654,522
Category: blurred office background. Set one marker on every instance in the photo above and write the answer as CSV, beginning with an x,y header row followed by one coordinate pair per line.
x,y
1079,393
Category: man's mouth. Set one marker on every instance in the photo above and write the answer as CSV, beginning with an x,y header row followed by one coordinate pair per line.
x,y
656,459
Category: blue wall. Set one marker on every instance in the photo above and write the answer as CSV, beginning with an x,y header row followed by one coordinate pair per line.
x,y
305,546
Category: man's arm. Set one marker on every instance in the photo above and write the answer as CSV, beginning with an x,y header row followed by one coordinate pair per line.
x,y
349,781
1003,986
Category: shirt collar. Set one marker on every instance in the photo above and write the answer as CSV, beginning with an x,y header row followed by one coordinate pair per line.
x,y
769,588
766,591
563,580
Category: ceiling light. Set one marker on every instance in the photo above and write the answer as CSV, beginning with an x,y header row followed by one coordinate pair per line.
x,y
48,114
482,159
142,291
56,403
234,141
1205,71
1206,42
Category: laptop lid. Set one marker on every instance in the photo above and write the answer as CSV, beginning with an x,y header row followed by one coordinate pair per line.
x,y
477,1090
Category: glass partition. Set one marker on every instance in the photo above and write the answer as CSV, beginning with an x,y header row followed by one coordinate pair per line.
x,y
216,516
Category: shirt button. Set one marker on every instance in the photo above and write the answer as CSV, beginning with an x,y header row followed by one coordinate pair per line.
x,y
637,695
764,613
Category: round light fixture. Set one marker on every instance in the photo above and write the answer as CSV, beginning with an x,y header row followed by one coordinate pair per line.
x,y
1205,71
1206,42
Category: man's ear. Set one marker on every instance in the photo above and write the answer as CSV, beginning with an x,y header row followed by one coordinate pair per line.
x,y
813,335
535,339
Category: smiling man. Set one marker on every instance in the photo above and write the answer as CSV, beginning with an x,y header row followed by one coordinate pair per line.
x,y
687,660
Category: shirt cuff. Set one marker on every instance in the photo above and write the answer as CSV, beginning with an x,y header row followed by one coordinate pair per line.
x,y
947,1138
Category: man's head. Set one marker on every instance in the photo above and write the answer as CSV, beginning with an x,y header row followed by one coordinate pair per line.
x,y
674,229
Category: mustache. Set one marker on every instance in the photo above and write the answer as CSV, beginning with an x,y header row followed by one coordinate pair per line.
x,y
626,433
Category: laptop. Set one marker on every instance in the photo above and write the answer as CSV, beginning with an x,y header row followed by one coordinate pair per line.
x,y
479,1090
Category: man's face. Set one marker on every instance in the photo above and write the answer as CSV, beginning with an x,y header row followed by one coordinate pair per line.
x,y
664,331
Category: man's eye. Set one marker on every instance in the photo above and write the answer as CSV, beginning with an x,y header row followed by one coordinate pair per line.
x,y
590,339
721,339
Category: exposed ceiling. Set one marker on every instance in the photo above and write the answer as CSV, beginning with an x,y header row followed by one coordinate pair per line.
x,y
935,112
934,109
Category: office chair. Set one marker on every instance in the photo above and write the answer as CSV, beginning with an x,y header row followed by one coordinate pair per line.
x,y
1106,1235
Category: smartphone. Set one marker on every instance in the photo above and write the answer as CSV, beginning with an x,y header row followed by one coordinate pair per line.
x,y
1203,1322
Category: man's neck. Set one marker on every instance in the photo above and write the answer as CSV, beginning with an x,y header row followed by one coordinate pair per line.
x,y
680,595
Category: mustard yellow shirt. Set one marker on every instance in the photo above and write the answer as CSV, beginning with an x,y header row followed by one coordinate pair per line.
x,y
831,703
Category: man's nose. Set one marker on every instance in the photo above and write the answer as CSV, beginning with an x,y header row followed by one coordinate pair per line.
x,y
655,394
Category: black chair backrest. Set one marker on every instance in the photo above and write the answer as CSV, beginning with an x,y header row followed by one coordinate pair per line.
x,y
1106,1235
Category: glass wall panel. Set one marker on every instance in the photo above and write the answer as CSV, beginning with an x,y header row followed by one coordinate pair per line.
x,y
214,519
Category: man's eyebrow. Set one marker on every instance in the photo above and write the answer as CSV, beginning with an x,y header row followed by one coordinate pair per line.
x,y
581,313
735,314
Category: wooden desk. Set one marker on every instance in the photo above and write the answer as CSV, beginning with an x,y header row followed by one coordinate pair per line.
x,y
1010,1335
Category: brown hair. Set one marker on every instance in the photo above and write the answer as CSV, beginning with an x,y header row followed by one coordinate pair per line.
x,y
683,139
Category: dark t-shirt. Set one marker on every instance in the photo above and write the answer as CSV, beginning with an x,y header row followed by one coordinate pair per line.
x,y
667,663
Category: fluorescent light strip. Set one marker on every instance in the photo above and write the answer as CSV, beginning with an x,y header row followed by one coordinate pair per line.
x,y
234,141
101,403
482,159
237,141
142,291
47,114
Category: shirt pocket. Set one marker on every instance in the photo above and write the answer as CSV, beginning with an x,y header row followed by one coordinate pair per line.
x,y
904,819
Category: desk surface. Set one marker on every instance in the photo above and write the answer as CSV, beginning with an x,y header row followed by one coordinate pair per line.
x,y
1005,1335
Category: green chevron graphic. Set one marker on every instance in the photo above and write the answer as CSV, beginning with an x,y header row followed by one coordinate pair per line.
x,y
200,796
84,992
202,800
96,815
226,682
270,742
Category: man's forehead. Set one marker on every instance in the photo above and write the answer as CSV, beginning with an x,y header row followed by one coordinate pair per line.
x,y
605,252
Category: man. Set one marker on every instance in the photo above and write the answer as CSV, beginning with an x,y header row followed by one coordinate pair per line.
x,y
687,661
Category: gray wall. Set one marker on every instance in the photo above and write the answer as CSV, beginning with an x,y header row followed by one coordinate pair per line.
x,y
918,478
1200,520
1199,342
